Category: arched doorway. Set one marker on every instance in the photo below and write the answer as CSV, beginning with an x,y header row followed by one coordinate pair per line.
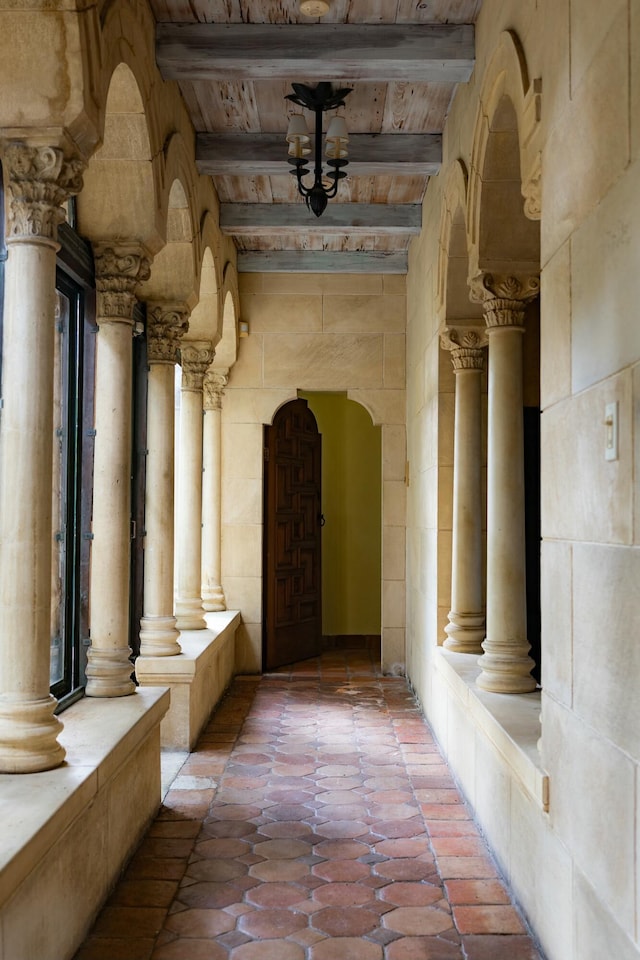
x,y
292,552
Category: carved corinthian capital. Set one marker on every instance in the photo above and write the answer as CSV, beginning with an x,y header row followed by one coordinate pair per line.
x,y
120,267
195,357
467,346
39,179
504,298
213,386
166,325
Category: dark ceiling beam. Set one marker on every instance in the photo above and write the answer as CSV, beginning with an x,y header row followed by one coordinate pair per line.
x,y
322,261
339,219
370,154
418,53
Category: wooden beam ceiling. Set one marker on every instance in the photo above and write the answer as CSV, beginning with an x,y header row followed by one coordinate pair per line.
x,y
339,219
370,154
223,52
322,261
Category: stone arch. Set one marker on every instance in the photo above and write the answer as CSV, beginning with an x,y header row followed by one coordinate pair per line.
x,y
173,272
453,264
227,348
204,323
118,198
503,237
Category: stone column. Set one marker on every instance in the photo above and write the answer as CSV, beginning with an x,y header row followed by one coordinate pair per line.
x,y
505,663
119,269
465,630
166,324
196,357
39,179
212,593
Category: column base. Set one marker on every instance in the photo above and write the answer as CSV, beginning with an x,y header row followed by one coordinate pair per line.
x,y
109,673
506,670
28,736
159,637
213,598
465,632
190,614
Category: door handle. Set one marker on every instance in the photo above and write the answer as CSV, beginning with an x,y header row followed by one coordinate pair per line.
x,y
321,519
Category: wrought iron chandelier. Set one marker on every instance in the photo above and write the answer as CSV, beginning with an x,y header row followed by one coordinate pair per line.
x,y
319,99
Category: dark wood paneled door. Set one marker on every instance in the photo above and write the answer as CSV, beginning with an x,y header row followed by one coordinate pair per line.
x,y
292,579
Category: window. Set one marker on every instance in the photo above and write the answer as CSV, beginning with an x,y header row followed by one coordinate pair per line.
x,y
72,468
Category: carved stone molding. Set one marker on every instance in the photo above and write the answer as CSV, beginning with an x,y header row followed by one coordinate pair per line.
x,y
166,325
532,190
467,347
504,297
531,151
39,180
195,357
213,387
120,267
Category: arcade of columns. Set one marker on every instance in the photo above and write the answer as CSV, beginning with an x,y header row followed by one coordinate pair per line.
x,y
39,180
505,662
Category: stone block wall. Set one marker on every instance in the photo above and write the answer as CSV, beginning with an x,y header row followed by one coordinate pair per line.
x,y
575,866
320,333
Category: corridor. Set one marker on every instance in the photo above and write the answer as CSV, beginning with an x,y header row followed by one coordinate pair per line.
x,y
316,820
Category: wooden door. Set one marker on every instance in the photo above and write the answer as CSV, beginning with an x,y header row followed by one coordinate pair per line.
x,y
292,581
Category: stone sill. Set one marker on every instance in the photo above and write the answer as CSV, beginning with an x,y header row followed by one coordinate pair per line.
x,y
197,678
99,736
511,722
196,646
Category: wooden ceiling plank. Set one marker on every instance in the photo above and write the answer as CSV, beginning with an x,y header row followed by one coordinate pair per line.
x,y
322,261
350,219
416,52
369,154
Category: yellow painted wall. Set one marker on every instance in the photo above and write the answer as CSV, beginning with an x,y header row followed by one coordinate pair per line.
x,y
351,503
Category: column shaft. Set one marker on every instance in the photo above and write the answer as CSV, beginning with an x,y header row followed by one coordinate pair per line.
x,y
196,357
38,180
212,592
118,270
505,663
158,632
465,630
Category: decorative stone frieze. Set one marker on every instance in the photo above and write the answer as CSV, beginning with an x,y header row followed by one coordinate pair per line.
x,y
195,357
467,346
39,180
465,630
504,298
167,324
119,270
213,389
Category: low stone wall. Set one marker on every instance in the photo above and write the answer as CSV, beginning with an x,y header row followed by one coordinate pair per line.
x,y
197,677
68,832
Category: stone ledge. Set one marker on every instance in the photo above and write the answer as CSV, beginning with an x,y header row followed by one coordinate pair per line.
x,y
197,677
68,832
510,722
99,736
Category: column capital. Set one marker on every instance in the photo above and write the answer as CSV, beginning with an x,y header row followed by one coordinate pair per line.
x,y
195,357
120,267
39,179
167,323
466,345
504,297
213,387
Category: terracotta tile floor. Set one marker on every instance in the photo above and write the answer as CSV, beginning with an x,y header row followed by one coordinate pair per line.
x,y
316,820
